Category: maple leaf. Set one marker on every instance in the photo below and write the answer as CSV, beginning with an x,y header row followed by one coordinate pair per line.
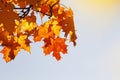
x,y
8,20
40,33
59,46
56,46
9,53
6,52
10,50
7,14
65,20
44,31
68,26
24,26
24,42
56,28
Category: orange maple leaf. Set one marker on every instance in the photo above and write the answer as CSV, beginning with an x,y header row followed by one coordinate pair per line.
x,y
56,46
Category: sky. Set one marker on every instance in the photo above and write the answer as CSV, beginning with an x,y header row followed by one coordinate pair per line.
x,y
95,57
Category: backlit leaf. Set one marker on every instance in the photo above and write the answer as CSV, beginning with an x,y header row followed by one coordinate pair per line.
x,y
56,46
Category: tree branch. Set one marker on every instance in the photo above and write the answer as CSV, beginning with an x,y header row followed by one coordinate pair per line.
x,y
25,11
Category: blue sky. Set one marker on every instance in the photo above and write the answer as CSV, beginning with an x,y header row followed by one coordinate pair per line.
x,y
96,56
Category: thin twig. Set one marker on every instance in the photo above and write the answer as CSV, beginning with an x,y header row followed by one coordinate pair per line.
x,y
24,13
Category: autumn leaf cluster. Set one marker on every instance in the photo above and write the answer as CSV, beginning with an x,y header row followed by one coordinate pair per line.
x,y
18,23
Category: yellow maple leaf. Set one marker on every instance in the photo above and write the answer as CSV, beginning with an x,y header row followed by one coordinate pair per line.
x,y
22,41
25,26
56,28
